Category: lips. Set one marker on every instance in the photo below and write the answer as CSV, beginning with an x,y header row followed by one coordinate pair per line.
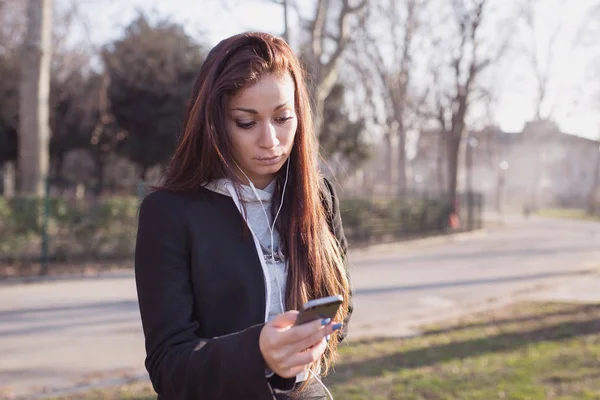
x,y
269,160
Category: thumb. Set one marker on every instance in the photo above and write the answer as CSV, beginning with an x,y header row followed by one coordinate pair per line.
x,y
284,320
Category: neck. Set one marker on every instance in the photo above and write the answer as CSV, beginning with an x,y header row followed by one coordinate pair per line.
x,y
258,182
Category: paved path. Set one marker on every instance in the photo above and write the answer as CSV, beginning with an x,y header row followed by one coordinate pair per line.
x,y
398,291
63,333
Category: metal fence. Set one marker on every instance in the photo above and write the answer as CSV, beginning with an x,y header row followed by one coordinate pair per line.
x,y
388,218
70,227
67,227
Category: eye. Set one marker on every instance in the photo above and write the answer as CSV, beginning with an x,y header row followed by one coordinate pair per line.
x,y
283,120
245,125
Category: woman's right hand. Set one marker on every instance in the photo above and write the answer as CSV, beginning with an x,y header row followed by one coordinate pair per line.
x,y
287,349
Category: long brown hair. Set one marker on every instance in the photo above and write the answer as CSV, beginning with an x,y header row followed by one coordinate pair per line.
x,y
316,266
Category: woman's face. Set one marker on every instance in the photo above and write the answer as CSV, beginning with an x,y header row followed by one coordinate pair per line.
x,y
262,125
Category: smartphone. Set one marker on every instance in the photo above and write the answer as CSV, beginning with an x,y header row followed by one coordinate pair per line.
x,y
325,307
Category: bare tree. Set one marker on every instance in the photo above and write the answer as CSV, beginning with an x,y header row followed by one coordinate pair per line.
x,y
12,24
325,48
594,192
392,64
593,196
65,60
587,33
540,65
441,116
454,89
587,36
34,131
286,5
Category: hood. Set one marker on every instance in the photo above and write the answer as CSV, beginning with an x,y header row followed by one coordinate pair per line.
x,y
227,188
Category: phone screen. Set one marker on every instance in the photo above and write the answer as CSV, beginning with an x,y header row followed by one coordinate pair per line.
x,y
323,311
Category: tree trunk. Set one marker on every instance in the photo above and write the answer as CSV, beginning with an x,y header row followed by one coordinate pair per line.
x,y
400,104
34,129
465,75
8,174
401,177
99,164
389,159
56,170
593,195
56,164
469,184
319,109
453,152
442,151
324,74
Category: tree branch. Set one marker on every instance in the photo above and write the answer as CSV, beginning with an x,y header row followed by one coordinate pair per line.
x,y
317,29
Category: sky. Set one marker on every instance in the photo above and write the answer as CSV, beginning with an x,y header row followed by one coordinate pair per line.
x,y
573,94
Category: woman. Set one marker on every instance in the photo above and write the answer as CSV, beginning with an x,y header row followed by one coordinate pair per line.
x,y
241,234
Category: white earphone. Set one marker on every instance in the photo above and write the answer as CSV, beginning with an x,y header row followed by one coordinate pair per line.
x,y
271,230
269,225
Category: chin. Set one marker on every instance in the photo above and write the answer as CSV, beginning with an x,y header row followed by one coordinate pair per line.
x,y
265,169
269,170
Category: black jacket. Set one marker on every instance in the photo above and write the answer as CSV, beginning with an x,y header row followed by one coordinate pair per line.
x,y
201,293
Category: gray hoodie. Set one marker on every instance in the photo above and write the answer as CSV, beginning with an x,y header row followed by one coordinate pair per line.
x,y
259,220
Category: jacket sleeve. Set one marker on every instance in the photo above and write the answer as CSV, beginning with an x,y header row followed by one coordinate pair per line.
x,y
332,206
182,365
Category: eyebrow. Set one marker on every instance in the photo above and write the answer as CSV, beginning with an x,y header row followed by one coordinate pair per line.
x,y
253,111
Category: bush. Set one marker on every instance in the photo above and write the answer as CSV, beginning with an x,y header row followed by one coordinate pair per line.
x,y
357,218
105,229
366,221
77,230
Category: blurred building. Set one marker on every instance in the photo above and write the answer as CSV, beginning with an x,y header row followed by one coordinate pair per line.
x,y
539,167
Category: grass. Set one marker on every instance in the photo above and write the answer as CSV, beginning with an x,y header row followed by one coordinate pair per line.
x,y
531,351
573,213
130,391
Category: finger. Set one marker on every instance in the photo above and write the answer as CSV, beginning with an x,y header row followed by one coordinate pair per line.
x,y
286,356
305,331
316,337
284,320
310,341
305,358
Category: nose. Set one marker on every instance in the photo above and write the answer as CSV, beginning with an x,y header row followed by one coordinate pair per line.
x,y
268,139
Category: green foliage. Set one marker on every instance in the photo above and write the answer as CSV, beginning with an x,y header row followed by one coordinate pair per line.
x,y
357,217
152,70
75,110
105,228
367,221
339,134
78,230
